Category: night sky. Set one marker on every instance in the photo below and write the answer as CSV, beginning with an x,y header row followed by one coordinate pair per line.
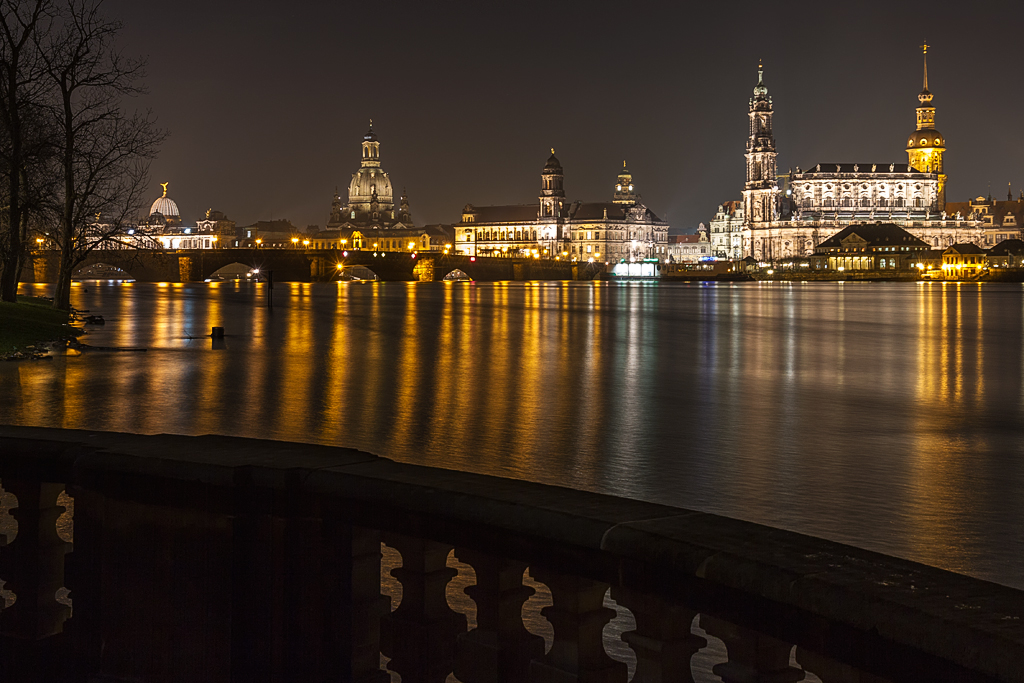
x,y
267,102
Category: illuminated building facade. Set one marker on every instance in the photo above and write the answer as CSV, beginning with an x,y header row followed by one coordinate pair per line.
x,y
1000,220
882,247
370,198
818,202
689,248
728,230
623,229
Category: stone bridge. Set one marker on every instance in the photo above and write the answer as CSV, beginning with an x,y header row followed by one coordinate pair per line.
x,y
296,265
218,559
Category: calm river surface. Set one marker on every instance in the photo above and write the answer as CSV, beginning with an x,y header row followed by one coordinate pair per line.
x,y
887,416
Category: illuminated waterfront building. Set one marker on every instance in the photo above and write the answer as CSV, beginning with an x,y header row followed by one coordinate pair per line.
x,y
883,247
690,248
817,202
623,229
728,229
1000,220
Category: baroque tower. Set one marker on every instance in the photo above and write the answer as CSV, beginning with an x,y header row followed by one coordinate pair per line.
x,y
552,195
926,145
624,191
761,190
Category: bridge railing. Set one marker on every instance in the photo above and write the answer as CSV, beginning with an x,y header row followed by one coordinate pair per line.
x,y
226,559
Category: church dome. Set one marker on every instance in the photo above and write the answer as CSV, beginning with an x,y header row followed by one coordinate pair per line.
x,y
926,138
164,205
365,182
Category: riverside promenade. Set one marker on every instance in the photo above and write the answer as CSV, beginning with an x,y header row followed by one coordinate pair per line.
x,y
228,559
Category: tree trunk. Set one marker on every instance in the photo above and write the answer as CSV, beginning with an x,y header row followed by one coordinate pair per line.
x,y
62,290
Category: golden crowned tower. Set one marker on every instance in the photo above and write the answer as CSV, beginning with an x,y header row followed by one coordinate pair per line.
x,y
926,145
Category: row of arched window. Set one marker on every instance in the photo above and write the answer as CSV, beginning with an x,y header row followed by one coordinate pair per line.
x,y
507,235
899,202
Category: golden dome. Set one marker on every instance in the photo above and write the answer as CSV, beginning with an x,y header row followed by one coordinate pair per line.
x,y
926,138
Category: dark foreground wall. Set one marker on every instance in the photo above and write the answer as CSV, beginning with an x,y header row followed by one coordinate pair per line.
x,y
225,559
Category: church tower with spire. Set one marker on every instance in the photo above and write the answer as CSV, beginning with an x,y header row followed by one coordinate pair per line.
x,y
552,194
926,145
625,193
761,190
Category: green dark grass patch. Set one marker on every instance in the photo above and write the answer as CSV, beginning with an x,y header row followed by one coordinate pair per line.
x,y
31,321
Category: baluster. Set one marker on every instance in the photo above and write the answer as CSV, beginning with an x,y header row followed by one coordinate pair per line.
x,y
84,581
831,671
420,635
33,565
352,582
753,657
663,640
499,649
578,617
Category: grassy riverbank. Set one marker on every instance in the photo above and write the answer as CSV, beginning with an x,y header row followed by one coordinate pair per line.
x,y
31,321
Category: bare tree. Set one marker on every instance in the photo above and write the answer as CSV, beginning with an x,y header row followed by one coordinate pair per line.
x,y
23,140
103,151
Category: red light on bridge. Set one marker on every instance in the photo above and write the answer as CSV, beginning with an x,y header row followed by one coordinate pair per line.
x,y
414,254
344,253
472,258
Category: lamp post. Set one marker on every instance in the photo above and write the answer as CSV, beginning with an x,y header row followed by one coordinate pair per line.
x,y
295,242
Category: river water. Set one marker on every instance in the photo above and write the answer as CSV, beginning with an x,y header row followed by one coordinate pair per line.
x,y
884,415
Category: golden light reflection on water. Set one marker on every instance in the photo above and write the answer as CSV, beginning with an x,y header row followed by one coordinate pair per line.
x,y
882,415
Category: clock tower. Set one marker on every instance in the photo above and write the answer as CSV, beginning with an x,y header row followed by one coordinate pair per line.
x,y
926,145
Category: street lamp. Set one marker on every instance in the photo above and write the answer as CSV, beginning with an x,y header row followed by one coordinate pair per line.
x,y
258,243
305,243
295,241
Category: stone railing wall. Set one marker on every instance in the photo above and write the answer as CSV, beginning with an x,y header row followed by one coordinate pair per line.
x,y
227,559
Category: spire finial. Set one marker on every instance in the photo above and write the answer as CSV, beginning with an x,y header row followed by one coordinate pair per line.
x,y
164,185
924,48
371,124
623,164
552,151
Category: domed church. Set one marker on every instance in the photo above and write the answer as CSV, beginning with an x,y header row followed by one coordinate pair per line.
x,y
371,201
164,211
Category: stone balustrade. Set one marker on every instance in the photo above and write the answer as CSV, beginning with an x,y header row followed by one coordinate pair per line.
x,y
225,559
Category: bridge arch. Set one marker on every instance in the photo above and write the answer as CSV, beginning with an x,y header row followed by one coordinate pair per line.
x,y
101,271
457,275
354,273
232,271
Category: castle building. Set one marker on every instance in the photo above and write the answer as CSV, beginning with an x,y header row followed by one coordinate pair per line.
x,y
371,202
826,198
621,230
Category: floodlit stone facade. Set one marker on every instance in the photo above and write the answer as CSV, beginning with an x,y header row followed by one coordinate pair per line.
x,y
820,201
599,232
